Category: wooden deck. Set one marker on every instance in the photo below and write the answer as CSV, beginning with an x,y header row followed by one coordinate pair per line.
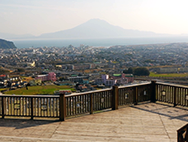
x,y
148,122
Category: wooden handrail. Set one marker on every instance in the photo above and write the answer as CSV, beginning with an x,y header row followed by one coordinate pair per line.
x,y
182,134
171,84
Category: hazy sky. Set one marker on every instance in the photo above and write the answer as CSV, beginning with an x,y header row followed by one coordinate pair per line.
x,y
43,16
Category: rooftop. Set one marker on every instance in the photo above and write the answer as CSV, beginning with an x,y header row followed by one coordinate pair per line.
x,y
117,75
148,122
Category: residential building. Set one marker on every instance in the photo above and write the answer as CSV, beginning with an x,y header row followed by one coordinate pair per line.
x,y
51,76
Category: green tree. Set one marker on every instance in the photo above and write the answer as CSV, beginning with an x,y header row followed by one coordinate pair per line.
x,y
129,71
141,72
2,71
21,70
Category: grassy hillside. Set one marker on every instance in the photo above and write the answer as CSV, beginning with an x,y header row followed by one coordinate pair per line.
x,y
35,90
4,44
168,75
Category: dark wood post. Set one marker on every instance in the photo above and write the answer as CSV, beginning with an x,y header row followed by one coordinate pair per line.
x,y
32,108
153,91
115,97
175,96
2,103
135,95
91,103
62,107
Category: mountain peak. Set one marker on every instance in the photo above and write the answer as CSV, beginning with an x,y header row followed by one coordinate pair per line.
x,y
97,20
94,22
97,28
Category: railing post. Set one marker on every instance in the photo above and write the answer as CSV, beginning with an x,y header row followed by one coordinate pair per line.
x,y
62,107
32,108
91,103
135,95
115,97
2,103
153,91
175,96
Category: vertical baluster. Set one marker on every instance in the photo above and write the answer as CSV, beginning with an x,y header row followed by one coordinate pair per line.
x,y
135,95
82,103
175,96
31,107
57,108
115,98
184,94
3,106
172,96
87,104
79,100
75,105
21,107
98,101
91,103
50,106
38,101
69,106
53,106
13,101
186,90
180,96
41,106
10,106
67,103
84,108
107,99
104,98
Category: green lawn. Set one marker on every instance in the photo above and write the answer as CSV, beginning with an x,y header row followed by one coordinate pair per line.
x,y
2,89
168,75
42,90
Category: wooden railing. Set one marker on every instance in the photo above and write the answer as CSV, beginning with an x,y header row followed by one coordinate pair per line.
x,y
62,106
29,106
172,94
183,134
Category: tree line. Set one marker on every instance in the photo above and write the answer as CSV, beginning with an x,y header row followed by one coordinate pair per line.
x,y
141,71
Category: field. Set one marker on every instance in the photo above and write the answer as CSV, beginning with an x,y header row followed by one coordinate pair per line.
x,y
2,89
42,90
169,75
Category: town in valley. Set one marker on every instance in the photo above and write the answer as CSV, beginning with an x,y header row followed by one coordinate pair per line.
x,y
87,68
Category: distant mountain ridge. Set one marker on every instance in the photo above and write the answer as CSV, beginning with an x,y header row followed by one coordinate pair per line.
x,y
92,29
4,44
14,36
96,28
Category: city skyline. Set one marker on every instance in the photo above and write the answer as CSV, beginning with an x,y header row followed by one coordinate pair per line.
x,y
44,16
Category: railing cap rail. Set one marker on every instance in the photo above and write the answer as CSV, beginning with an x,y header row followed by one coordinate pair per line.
x,y
182,128
89,92
171,84
133,85
108,89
